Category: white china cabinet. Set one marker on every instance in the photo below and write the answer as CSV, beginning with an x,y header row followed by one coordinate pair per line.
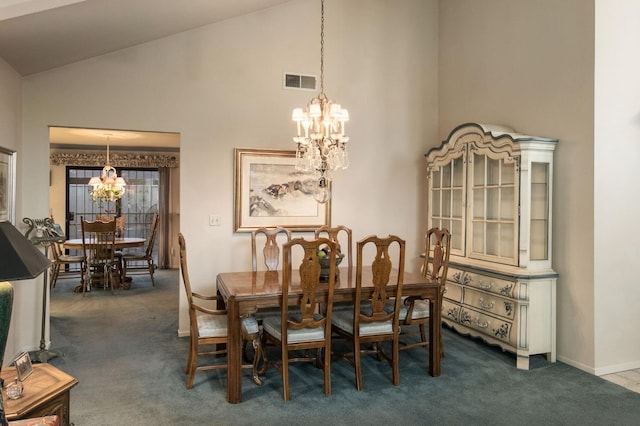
x,y
492,188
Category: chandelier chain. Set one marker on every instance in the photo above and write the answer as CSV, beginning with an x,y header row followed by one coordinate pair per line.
x,y
321,142
322,47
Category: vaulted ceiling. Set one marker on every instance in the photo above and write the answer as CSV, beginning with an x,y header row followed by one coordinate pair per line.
x,y
37,35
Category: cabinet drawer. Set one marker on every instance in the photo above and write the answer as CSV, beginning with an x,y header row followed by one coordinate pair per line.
x,y
490,303
453,291
492,326
450,311
483,282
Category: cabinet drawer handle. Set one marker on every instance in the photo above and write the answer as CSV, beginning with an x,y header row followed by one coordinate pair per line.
x,y
485,286
486,305
481,325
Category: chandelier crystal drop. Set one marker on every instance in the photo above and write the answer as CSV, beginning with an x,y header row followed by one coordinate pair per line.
x,y
321,141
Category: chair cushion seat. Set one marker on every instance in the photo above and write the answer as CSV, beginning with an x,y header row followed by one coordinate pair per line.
x,y
211,325
343,320
263,313
250,325
420,309
273,326
216,325
70,258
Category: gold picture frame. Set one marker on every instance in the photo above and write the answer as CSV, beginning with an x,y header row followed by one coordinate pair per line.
x,y
7,185
270,192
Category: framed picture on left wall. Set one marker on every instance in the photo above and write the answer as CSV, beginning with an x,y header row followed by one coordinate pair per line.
x,y
7,185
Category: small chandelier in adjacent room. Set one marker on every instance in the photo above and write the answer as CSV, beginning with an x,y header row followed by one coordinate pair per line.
x,y
321,141
107,187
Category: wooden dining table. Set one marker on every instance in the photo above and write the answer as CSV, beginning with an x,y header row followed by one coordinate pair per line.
x,y
246,292
119,243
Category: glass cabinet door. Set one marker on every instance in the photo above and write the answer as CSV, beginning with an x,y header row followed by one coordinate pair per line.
x,y
493,225
448,200
539,211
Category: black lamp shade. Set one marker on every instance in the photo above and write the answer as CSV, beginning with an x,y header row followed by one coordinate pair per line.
x,y
19,259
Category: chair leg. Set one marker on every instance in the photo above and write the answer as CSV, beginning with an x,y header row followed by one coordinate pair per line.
x,y
257,354
111,277
285,374
394,362
87,281
186,368
356,361
193,357
265,360
423,334
327,370
54,274
83,269
151,271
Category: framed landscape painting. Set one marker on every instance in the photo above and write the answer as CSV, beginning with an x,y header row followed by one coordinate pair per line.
x,y
269,192
7,185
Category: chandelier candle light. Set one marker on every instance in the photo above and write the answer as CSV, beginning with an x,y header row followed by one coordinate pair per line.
x,y
108,187
323,146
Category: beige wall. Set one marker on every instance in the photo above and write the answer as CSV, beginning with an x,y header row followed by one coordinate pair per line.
x,y
617,155
529,65
220,87
28,293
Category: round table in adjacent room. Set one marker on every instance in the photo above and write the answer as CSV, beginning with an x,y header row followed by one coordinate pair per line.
x,y
119,243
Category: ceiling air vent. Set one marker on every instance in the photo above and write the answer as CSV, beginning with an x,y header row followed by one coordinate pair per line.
x,y
299,81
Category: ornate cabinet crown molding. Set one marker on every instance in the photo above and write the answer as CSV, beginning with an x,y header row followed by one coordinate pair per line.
x,y
116,159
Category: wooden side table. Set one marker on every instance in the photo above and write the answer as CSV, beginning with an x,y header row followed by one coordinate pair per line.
x,y
46,392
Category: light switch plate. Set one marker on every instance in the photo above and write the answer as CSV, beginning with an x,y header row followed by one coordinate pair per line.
x,y
214,220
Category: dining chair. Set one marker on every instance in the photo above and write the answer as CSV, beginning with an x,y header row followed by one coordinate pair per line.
x,y
271,249
334,234
414,310
300,327
131,260
98,248
66,264
208,326
368,322
271,254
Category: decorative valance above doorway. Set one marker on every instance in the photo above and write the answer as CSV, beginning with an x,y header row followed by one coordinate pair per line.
x,y
70,158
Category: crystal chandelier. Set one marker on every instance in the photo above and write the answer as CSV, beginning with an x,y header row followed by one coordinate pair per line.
x,y
107,187
321,142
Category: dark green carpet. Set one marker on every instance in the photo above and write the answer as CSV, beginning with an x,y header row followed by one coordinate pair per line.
x,y
125,352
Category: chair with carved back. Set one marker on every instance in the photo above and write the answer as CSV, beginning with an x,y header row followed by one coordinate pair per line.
x,y
336,234
98,242
368,323
273,239
71,265
63,264
208,326
271,249
414,310
300,327
131,260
